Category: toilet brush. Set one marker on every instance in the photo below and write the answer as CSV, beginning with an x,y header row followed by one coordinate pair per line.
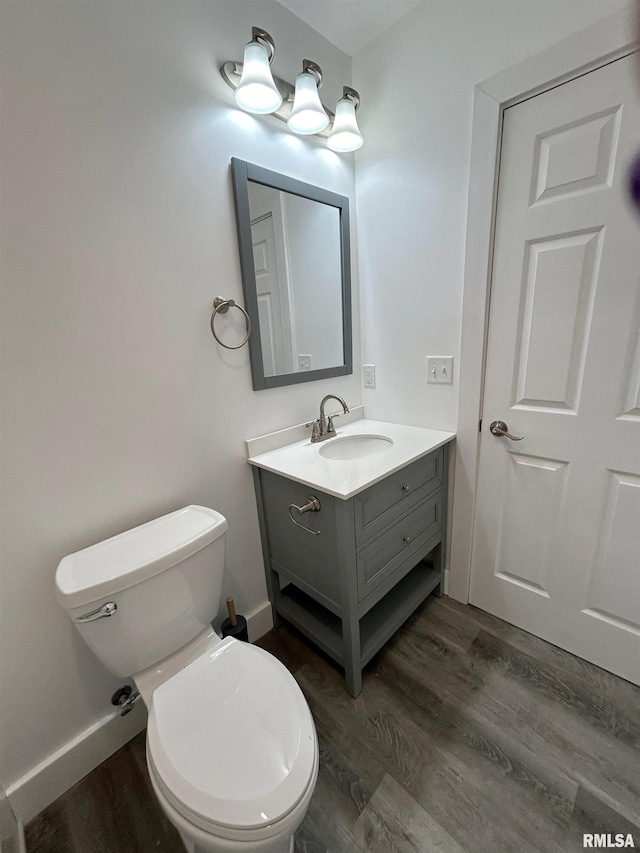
x,y
234,625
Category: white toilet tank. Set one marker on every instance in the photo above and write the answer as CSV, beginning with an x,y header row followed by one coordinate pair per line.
x,y
160,583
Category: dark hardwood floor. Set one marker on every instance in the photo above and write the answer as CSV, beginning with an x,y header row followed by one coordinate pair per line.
x,y
469,735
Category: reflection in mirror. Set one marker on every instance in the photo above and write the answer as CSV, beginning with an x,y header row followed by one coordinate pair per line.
x,y
296,256
295,267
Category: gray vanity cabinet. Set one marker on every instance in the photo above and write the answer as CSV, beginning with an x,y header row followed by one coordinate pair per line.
x,y
363,564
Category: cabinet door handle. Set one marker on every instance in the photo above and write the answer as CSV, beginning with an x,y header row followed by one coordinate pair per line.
x,y
311,505
406,540
406,488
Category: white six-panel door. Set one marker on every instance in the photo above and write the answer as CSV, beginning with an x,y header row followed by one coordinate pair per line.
x,y
556,546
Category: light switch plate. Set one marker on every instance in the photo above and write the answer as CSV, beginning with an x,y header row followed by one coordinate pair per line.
x,y
440,369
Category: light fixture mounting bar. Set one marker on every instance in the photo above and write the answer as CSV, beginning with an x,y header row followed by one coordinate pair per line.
x,y
232,71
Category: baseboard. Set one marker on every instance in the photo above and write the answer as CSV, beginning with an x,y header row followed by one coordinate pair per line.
x,y
14,843
11,834
446,581
260,621
48,780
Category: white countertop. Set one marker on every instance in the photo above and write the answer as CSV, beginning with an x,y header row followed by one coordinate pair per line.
x,y
302,461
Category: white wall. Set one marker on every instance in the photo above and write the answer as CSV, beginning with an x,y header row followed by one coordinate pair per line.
x,y
412,176
118,231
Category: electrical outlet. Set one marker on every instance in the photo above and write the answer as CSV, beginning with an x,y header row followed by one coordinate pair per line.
x,y
440,369
369,375
304,362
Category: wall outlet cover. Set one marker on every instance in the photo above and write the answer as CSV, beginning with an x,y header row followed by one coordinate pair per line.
x,y
305,362
369,375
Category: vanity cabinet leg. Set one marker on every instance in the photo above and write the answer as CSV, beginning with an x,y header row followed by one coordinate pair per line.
x,y
277,618
440,560
437,565
351,648
351,654
271,577
353,678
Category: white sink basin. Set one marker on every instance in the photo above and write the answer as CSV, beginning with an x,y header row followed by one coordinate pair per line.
x,y
376,450
356,446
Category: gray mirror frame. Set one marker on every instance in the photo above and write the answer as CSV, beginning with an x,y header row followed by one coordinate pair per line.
x,y
243,172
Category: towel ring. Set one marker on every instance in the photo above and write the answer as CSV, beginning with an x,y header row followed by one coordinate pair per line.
x,y
221,306
311,505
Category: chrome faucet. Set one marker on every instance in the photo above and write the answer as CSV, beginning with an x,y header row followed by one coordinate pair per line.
x,y
323,428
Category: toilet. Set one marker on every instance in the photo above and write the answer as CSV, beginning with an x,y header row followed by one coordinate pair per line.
x,y
232,750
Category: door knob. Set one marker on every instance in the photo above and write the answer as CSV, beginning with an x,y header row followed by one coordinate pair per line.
x,y
499,428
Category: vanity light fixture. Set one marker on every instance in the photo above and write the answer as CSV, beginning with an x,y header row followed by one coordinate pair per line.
x,y
345,134
308,115
258,91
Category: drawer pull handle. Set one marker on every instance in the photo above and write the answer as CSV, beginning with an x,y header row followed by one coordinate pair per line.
x,y
406,539
311,505
406,488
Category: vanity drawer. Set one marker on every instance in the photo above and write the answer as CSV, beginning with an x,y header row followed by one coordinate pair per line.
x,y
400,547
384,502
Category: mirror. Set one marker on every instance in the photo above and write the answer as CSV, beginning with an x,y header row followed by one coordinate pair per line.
x,y
295,261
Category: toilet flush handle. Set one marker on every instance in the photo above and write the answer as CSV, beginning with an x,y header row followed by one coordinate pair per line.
x,y
107,609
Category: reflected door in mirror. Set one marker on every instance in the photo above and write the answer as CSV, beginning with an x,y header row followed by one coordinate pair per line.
x,y
274,303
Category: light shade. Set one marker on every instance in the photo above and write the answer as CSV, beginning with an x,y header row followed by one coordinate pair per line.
x,y
256,92
308,115
345,135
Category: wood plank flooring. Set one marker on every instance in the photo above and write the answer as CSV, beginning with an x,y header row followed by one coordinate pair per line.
x,y
469,735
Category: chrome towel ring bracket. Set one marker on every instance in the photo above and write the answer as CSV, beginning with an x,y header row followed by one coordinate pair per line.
x,y
221,306
311,505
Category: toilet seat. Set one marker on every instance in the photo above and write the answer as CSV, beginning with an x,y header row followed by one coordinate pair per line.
x,y
231,741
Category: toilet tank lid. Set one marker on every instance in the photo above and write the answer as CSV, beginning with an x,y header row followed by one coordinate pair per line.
x,y
135,555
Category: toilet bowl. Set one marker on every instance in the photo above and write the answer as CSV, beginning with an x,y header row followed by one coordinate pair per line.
x,y
234,709
197,840
232,751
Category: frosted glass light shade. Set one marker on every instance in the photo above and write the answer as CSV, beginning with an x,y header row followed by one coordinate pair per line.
x,y
308,115
256,92
345,135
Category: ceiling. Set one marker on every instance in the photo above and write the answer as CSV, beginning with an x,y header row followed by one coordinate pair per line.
x,y
350,24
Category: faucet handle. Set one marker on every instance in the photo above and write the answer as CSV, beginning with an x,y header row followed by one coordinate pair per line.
x,y
315,430
330,427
